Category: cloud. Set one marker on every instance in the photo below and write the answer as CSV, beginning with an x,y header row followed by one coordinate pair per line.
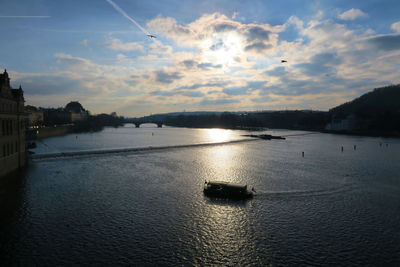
x,y
118,45
176,92
74,62
165,77
258,47
277,71
225,26
246,89
192,94
44,84
217,102
262,99
352,14
315,69
242,90
163,93
216,32
326,58
320,64
216,61
169,27
255,85
385,42
396,27
207,66
189,63
200,85
259,33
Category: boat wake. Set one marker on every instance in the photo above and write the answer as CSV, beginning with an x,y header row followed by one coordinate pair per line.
x,y
128,150
304,193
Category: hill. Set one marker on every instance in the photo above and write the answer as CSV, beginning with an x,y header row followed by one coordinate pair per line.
x,y
380,100
374,113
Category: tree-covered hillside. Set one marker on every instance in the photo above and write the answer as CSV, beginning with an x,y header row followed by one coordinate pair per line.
x,y
380,100
377,112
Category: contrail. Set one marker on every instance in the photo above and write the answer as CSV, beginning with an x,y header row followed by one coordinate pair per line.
x,y
127,16
27,17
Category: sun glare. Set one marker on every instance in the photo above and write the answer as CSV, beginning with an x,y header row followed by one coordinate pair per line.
x,y
218,135
222,49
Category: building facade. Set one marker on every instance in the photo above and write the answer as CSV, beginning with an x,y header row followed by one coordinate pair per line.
x,y
12,127
78,113
34,117
350,123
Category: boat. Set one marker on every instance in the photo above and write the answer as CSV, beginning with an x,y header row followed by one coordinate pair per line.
x,y
221,189
265,136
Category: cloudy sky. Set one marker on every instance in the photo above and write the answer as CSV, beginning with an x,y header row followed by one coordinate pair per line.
x,y
219,55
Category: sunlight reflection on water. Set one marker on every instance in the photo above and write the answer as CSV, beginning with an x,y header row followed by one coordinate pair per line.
x,y
219,135
148,208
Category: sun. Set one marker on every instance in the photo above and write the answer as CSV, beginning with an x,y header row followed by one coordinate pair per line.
x,y
224,49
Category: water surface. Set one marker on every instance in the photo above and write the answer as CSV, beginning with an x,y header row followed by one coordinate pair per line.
x,y
147,208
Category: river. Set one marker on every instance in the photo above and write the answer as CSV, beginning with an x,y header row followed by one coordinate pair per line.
x,y
146,207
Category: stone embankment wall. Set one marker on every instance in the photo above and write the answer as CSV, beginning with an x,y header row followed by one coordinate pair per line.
x,y
52,131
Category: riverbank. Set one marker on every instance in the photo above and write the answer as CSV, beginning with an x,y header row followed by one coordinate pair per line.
x,y
363,133
46,132
352,133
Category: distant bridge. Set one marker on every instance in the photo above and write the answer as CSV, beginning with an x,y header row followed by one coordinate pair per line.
x,y
139,121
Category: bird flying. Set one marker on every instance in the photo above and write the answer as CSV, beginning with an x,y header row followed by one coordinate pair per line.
x,y
283,61
151,36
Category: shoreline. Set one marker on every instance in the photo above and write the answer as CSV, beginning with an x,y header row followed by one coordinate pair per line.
x,y
47,132
256,129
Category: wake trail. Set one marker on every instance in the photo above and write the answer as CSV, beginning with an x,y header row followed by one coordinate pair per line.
x,y
305,193
129,150
123,13
298,134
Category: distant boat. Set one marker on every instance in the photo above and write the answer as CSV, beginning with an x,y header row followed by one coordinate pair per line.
x,y
265,136
227,190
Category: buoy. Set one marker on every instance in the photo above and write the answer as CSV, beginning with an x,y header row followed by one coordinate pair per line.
x,y
342,148
302,153
355,147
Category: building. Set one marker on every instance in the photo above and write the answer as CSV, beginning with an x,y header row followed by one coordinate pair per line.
x,y
56,116
350,123
34,117
78,113
12,127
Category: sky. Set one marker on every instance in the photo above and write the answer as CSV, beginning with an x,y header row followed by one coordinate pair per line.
x,y
214,55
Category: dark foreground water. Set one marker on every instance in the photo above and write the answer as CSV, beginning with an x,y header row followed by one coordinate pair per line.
x,y
147,208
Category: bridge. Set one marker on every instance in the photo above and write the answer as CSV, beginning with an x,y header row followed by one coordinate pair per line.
x,y
139,121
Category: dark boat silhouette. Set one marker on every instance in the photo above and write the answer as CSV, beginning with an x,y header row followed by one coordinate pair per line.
x,y
221,189
265,136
